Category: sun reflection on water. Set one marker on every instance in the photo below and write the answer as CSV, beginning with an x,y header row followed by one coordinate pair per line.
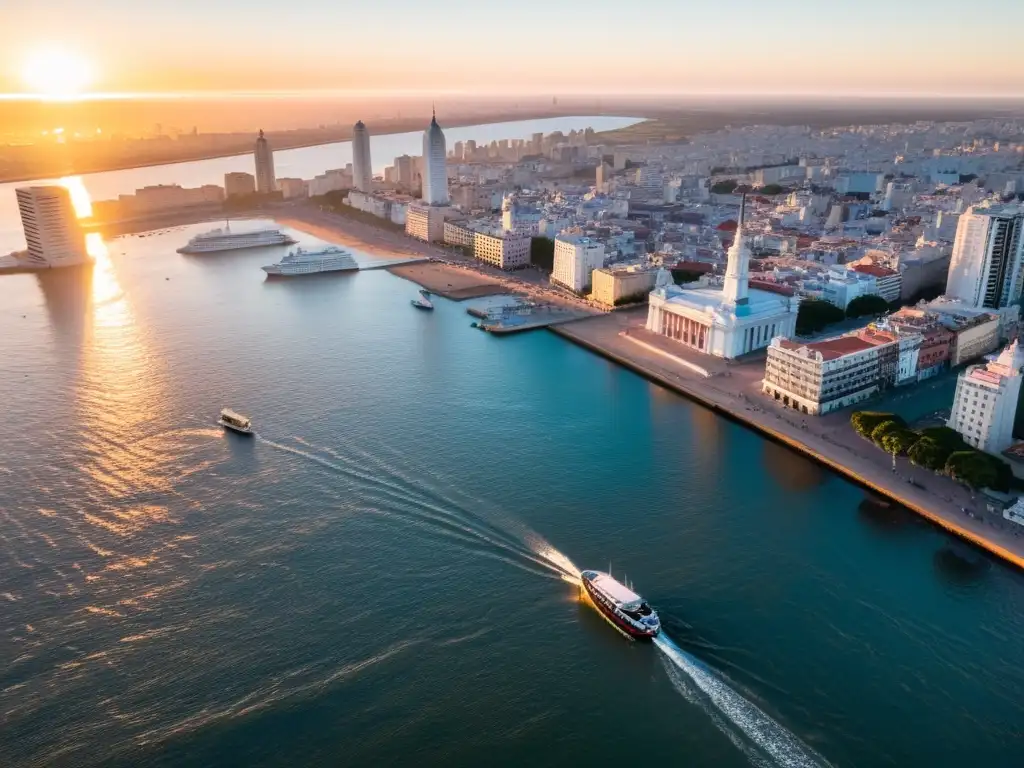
x,y
80,197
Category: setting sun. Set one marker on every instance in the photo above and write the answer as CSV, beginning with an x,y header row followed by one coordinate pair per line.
x,y
57,73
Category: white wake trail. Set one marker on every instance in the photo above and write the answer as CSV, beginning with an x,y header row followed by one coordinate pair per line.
x,y
730,710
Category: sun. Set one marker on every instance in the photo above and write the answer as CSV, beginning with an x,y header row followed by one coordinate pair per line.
x,y
56,73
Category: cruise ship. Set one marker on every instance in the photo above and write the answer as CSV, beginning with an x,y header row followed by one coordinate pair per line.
x,y
620,605
303,262
225,240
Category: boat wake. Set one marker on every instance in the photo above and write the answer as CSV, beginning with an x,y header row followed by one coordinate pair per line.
x,y
765,742
385,489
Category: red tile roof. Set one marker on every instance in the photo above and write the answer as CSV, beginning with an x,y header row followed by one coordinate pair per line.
x,y
765,285
729,225
871,269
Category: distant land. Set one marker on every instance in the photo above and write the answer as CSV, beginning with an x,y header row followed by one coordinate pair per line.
x,y
666,121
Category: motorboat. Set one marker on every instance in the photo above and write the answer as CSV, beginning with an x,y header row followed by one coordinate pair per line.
x,y
423,302
620,605
235,422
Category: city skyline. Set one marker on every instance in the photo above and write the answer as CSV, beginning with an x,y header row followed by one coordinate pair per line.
x,y
738,47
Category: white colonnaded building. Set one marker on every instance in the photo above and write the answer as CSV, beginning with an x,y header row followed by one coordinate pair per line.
x,y
986,398
726,322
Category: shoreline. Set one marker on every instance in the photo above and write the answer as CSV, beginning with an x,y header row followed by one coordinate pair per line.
x,y
861,468
455,123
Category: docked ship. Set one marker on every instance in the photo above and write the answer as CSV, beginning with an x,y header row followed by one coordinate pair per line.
x,y
620,605
217,240
423,302
235,422
303,262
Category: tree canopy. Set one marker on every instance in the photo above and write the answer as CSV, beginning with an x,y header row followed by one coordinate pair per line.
x,y
542,253
871,304
879,433
724,187
865,422
815,314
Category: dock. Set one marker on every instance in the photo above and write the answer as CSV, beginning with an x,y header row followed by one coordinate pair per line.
x,y
517,314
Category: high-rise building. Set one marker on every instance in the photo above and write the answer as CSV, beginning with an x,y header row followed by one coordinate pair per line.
x,y
435,172
459,150
987,267
237,184
469,152
52,232
405,168
362,170
986,401
265,182
576,258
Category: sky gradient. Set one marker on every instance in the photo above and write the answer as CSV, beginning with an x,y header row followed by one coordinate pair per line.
x,y
929,47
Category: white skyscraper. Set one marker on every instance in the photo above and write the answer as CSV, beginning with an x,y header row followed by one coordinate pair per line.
x,y
986,401
52,232
987,267
265,181
435,169
362,170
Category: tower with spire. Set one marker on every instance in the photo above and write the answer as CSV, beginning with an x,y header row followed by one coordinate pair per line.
x,y
266,182
435,164
737,270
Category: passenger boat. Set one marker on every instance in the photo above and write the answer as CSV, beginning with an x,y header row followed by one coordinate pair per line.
x,y
235,421
423,302
303,262
225,240
623,607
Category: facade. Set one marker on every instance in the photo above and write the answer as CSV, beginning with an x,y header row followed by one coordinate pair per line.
x,y
611,285
405,169
425,222
51,227
575,258
936,339
505,251
844,285
265,181
972,337
435,168
985,403
362,169
726,322
825,376
987,267
888,282
239,184
292,188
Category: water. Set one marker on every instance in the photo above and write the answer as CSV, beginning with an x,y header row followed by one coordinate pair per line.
x,y
384,575
304,163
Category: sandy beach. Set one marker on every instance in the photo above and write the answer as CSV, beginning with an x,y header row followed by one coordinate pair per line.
x,y
733,389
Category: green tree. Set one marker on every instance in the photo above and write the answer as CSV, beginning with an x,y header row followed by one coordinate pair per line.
x,y
815,314
865,422
870,304
681,276
972,468
900,441
946,437
724,187
771,189
879,433
542,253
929,454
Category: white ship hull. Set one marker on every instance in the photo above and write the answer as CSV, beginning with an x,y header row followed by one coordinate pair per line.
x,y
235,242
300,262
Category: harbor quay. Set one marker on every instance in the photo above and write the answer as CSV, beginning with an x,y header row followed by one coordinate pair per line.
x,y
732,389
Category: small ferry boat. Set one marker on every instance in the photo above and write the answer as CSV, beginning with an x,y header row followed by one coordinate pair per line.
x,y
623,607
235,421
423,302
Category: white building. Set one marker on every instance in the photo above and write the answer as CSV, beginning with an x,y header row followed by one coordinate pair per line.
x,y
425,222
362,170
52,232
265,182
435,169
505,251
985,403
988,256
238,184
576,258
844,285
726,322
405,170
292,188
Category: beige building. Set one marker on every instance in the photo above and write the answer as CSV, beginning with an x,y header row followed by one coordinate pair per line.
x,y
238,184
292,188
505,251
975,336
610,285
425,222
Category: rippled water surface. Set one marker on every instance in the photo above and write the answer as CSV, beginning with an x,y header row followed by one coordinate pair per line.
x,y
383,575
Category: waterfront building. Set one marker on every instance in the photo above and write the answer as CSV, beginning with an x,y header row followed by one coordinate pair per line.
x,y
238,184
985,402
576,257
435,159
724,322
613,286
52,231
504,250
425,222
936,339
362,169
292,188
821,377
265,181
987,267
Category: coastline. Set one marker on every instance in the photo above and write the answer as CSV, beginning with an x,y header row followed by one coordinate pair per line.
x,y
279,146
833,444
